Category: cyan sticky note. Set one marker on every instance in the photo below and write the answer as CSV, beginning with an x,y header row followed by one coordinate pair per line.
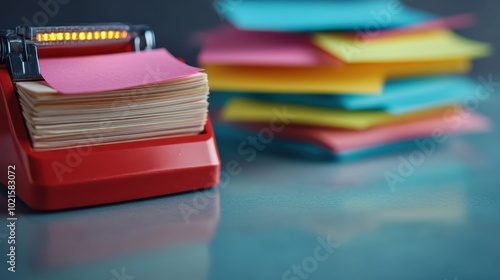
x,y
318,15
398,96
233,135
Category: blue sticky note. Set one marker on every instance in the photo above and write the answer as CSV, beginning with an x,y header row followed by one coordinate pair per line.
x,y
231,135
398,96
318,15
308,150
403,96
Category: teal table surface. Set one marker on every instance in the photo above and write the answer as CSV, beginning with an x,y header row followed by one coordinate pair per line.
x,y
276,217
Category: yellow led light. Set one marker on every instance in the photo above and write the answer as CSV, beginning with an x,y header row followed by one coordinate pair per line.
x,y
66,36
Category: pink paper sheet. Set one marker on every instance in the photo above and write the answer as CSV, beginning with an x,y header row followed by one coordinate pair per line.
x,y
230,46
99,73
338,140
452,22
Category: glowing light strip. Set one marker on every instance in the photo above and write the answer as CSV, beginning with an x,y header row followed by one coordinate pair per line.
x,y
81,36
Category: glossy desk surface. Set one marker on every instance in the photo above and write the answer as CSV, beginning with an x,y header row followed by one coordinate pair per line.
x,y
275,218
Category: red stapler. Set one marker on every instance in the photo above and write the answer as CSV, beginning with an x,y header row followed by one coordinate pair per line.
x,y
109,173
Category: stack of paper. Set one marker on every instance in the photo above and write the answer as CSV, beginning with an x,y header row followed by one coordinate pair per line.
x,y
342,70
113,98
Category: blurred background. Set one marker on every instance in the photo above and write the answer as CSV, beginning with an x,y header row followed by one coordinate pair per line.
x,y
175,22
443,223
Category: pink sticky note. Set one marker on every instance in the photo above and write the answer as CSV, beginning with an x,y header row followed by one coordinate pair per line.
x,y
338,140
228,45
452,22
99,73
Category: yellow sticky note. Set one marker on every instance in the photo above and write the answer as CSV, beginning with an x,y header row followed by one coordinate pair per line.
x,y
417,68
249,110
319,80
356,78
416,46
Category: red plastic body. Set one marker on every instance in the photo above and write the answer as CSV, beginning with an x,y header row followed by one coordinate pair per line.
x,y
69,178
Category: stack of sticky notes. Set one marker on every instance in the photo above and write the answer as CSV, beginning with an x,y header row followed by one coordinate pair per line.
x,y
344,76
104,99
